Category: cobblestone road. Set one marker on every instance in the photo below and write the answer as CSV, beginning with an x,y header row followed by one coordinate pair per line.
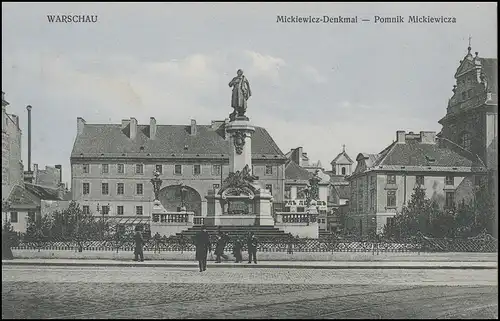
x,y
137,292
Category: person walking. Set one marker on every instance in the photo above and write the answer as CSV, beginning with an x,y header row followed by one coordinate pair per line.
x,y
252,247
203,246
139,243
157,239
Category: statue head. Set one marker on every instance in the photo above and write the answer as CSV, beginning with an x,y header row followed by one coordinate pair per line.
x,y
239,72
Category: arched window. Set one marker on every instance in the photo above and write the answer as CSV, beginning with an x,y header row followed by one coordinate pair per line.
x,y
343,170
465,140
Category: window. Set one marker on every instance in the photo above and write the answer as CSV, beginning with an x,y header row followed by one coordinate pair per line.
x,y
139,169
196,169
477,180
178,169
391,198
391,179
31,215
420,179
288,192
269,187
119,210
138,210
86,188
13,217
159,168
120,188
465,140
104,189
86,209
121,168
343,170
372,199
449,180
139,188
216,169
450,199
85,168
269,170
391,221
105,168
215,186
105,210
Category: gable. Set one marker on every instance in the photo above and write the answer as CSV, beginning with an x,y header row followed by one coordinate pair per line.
x,y
22,197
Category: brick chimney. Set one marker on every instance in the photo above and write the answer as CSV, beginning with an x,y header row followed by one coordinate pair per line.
x,y
400,136
152,128
427,137
80,124
133,128
194,129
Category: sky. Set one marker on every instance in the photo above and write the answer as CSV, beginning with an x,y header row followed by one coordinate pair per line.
x,y
318,86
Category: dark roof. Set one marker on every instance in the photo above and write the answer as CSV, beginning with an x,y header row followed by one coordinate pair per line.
x,y
490,70
110,140
294,172
21,197
413,153
42,192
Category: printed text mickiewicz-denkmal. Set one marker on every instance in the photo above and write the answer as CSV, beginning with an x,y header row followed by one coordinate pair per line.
x,y
316,19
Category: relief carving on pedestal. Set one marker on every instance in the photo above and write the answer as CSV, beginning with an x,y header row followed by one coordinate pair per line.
x,y
239,141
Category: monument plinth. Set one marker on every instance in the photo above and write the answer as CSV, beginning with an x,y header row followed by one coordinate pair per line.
x,y
240,138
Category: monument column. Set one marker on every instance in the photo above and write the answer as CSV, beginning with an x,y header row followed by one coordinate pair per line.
x,y
240,139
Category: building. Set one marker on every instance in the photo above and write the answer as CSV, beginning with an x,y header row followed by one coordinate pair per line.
x,y
471,119
112,165
383,183
51,176
339,187
12,165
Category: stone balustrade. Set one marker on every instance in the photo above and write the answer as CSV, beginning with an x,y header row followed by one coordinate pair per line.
x,y
298,224
198,220
174,218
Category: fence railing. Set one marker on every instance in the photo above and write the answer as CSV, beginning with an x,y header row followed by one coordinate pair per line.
x,y
285,243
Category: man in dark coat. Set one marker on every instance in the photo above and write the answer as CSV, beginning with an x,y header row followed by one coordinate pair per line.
x,y
237,246
203,246
139,243
6,243
252,247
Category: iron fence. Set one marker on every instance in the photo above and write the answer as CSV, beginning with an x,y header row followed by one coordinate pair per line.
x,y
286,243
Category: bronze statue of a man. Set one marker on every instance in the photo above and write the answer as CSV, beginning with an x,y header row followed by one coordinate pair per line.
x,y
241,93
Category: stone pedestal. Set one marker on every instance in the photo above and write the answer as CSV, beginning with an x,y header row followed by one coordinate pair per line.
x,y
219,212
240,138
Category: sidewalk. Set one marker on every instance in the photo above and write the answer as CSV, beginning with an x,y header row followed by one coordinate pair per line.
x,y
265,256
262,264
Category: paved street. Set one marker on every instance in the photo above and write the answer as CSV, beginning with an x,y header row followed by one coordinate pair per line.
x,y
147,292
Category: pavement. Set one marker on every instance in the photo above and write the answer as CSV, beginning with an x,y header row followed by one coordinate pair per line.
x,y
93,292
262,264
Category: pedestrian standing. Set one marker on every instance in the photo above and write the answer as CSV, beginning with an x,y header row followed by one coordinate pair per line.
x,y
203,246
221,240
6,243
252,248
237,245
157,239
139,243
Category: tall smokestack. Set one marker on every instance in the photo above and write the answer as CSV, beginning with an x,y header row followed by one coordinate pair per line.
x,y
29,137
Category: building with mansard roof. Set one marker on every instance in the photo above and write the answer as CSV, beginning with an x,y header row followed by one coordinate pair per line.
x,y
383,183
112,165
